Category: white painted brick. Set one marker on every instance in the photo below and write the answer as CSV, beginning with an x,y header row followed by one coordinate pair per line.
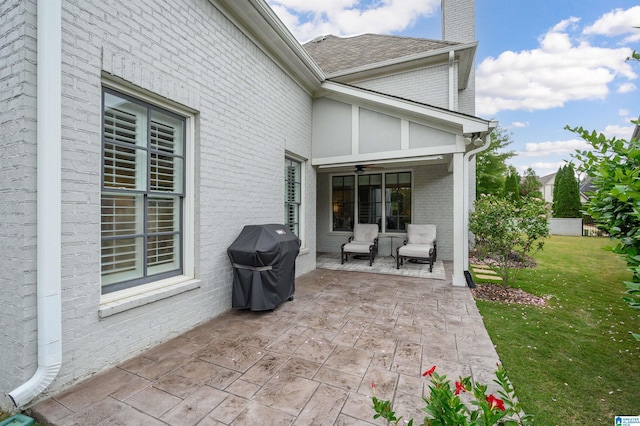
x,y
458,20
249,113
427,85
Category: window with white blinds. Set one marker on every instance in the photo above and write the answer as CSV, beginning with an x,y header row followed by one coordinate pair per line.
x,y
292,194
142,192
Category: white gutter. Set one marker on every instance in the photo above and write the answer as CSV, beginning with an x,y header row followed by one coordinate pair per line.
x,y
465,203
49,142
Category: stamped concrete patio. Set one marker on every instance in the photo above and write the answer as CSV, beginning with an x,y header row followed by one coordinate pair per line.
x,y
309,362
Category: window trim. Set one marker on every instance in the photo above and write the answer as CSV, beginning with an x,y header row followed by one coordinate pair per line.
x,y
188,201
356,199
303,199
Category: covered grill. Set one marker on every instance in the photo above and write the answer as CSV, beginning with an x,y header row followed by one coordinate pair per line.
x,y
264,266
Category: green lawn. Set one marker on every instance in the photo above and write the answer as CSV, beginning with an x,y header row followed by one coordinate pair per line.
x,y
573,361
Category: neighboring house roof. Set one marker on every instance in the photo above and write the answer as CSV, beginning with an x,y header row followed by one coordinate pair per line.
x,y
548,179
335,54
586,185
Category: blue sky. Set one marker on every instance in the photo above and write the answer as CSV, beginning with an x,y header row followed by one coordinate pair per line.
x,y
540,64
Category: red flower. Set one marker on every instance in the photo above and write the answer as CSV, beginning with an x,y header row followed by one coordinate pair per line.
x,y
373,384
459,388
429,372
495,403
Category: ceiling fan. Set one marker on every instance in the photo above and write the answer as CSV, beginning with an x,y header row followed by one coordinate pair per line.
x,y
360,168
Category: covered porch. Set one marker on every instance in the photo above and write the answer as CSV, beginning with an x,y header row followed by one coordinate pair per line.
x,y
392,162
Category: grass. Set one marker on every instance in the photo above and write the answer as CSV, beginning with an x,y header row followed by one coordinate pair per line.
x,y
573,361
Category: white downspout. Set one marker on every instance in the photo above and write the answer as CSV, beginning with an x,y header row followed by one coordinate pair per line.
x,y
49,228
467,158
452,76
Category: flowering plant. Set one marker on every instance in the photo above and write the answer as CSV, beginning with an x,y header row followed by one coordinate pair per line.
x,y
444,406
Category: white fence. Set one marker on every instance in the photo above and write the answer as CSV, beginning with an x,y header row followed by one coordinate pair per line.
x,y
565,226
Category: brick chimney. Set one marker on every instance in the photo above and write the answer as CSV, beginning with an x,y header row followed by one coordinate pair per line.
x,y
459,20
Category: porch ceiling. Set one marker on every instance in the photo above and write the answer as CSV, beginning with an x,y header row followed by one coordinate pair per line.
x,y
386,164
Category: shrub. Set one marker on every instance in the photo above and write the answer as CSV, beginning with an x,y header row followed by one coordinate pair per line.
x,y
509,233
566,195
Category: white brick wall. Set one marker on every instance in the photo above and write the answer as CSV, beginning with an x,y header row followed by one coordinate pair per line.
x,y
427,85
458,24
458,20
17,195
248,113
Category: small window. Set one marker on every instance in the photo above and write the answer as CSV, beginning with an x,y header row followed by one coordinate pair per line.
x,y
143,150
292,194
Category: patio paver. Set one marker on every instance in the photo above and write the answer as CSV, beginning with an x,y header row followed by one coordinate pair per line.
x,y
311,361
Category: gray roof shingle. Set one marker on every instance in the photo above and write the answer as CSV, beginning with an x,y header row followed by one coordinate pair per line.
x,y
334,54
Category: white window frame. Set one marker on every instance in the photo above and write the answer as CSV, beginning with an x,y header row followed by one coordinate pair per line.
x,y
303,182
121,300
356,195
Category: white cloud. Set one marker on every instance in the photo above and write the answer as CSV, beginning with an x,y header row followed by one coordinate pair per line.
x,y
308,19
543,149
618,22
620,132
560,70
520,124
626,88
623,112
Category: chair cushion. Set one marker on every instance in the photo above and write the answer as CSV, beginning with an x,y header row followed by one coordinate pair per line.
x,y
415,250
357,247
421,234
365,232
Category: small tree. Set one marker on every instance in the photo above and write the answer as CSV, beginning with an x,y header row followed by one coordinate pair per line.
x,y
530,184
491,164
507,233
566,195
512,186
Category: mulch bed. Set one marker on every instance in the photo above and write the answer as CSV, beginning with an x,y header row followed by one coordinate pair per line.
x,y
500,293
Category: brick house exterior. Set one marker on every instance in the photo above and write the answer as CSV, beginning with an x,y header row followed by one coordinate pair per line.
x,y
247,93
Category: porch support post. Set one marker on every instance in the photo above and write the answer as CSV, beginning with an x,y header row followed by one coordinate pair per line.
x,y
459,234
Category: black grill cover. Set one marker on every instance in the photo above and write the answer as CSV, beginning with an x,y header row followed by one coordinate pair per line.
x,y
264,266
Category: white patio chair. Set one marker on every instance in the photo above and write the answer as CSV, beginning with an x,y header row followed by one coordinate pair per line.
x,y
363,242
420,245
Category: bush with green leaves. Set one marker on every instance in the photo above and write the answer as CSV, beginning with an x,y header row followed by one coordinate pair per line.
x,y
614,166
507,233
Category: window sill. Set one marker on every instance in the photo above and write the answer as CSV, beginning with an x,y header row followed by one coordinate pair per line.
x,y
120,301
